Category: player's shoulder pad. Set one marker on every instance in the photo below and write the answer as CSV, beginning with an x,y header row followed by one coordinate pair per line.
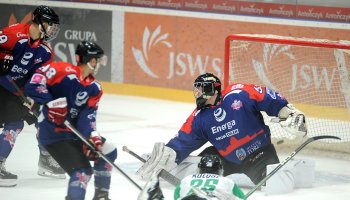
x,y
12,34
97,87
57,71
255,92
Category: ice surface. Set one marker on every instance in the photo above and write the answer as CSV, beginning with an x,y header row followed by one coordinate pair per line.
x,y
138,123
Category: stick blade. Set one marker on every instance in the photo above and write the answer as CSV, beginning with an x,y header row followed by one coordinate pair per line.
x,y
320,137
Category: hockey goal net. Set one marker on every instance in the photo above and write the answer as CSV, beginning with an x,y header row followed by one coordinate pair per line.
x,y
313,74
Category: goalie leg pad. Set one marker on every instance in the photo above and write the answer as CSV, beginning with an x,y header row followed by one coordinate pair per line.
x,y
282,181
161,157
304,173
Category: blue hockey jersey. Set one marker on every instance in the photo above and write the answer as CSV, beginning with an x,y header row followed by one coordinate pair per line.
x,y
61,79
235,126
27,56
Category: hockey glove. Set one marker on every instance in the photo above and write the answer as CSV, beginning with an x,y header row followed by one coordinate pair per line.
x,y
96,141
161,157
57,110
293,120
33,107
30,111
6,63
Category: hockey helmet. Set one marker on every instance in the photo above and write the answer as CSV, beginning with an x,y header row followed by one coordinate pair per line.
x,y
210,164
46,14
85,51
204,87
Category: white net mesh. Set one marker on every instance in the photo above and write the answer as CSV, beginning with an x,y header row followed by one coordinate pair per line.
x,y
312,74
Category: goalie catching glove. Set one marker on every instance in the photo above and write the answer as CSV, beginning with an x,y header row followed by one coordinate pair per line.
x,y
292,120
162,157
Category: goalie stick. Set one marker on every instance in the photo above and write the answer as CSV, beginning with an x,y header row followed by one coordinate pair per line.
x,y
311,139
77,133
21,95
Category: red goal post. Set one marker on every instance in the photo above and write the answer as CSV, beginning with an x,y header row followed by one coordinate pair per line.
x,y
313,74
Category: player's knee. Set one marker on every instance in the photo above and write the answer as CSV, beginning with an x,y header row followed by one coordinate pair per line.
x,y
109,150
78,182
84,172
13,129
16,126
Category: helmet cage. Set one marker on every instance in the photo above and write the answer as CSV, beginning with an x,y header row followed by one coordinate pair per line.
x,y
46,14
86,51
204,87
51,32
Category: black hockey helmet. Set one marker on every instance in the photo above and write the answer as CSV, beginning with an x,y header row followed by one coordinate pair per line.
x,y
204,87
210,164
46,14
87,50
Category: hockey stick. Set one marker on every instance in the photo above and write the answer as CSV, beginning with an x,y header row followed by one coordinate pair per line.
x,y
21,95
163,173
311,139
77,133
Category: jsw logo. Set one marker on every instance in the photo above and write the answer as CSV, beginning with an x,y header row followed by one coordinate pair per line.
x,y
179,63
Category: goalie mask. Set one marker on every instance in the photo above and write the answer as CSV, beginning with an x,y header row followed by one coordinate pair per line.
x,y
210,164
86,51
205,86
46,14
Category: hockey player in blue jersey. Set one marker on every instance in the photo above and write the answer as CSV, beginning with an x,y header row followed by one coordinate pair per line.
x,y
23,48
69,92
232,122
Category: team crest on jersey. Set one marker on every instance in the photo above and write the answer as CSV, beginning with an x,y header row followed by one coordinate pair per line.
x,y
237,104
241,154
38,60
219,114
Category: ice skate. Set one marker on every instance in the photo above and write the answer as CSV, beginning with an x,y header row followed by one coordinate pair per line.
x,y
48,167
7,179
100,195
